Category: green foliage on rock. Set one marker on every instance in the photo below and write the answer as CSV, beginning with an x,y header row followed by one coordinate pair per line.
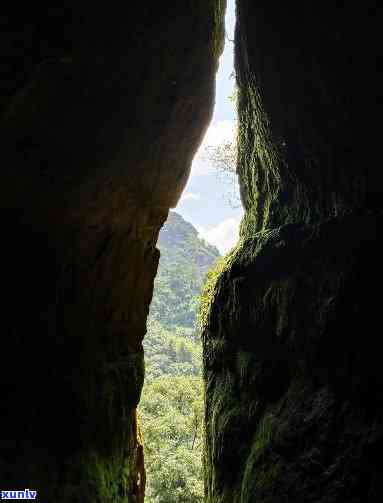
x,y
208,291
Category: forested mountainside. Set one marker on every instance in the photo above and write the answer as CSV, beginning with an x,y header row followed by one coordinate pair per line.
x,y
185,260
171,403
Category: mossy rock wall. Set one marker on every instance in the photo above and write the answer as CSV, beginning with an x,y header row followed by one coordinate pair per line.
x,y
292,360
102,109
309,97
293,367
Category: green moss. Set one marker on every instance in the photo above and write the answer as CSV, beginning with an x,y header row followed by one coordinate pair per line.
x,y
106,477
99,479
208,291
258,160
264,432
261,479
210,288
262,470
219,27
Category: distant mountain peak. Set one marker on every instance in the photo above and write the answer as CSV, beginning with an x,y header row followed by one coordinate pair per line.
x,y
177,228
185,260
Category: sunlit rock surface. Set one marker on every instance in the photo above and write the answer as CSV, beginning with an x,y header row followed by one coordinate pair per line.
x,y
102,109
292,359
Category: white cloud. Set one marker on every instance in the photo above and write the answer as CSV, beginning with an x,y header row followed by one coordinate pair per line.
x,y
201,166
224,235
217,133
194,196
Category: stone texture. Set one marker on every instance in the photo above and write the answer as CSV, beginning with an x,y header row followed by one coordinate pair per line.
x,y
292,367
292,360
102,110
309,98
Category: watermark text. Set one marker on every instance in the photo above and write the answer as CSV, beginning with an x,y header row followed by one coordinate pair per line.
x,y
26,494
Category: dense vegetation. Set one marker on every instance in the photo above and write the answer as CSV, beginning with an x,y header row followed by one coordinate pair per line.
x,y
185,260
171,403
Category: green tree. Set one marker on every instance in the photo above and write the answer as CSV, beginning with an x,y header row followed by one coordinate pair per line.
x,y
171,402
171,415
185,260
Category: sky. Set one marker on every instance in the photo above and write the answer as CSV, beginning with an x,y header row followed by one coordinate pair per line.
x,y
210,200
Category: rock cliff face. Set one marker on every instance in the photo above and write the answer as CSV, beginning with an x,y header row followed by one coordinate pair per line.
x,y
102,110
292,360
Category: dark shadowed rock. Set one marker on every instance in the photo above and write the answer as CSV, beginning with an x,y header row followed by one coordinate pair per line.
x,y
292,354
102,109
293,367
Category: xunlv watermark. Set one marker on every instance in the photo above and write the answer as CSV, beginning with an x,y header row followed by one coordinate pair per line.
x,y
19,495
